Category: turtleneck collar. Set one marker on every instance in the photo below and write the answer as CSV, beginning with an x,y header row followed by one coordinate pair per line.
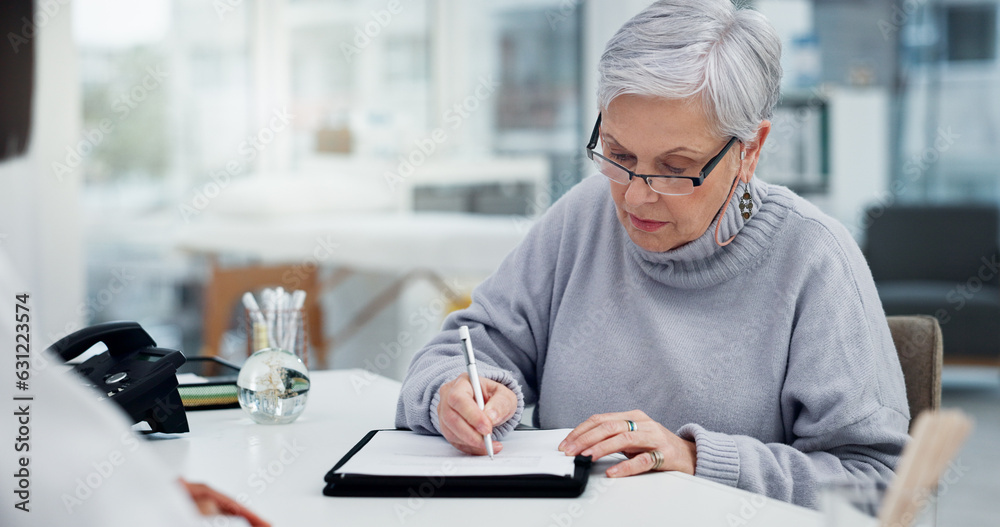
x,y
702,262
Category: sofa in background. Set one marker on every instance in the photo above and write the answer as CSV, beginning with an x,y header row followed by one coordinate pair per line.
x,y
943,261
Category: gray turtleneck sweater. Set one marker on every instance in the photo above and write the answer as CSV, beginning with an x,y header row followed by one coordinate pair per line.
x,y
772,353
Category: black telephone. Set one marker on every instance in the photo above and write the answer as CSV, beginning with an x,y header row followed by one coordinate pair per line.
x,y
133,372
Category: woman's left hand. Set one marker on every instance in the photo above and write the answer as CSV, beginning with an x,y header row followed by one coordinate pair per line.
x,y
604,434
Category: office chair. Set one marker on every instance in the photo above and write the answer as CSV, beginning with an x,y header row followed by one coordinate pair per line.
x,y
919,346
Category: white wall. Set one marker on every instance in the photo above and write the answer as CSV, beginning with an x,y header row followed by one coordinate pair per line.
x,y
859,155
38,212
601,20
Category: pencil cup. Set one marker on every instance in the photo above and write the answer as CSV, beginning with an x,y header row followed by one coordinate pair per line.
x,y
273,383
858,505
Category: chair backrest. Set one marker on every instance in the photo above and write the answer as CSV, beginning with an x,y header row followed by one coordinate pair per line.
x,y
918,344
931,242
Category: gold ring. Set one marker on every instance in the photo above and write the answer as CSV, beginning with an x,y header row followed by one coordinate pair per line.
x,y
631,425
657,457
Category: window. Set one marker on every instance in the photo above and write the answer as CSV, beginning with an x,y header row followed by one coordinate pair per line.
x,y
972,32
187,86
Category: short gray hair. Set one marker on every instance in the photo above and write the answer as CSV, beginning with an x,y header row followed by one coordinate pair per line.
x,y
728,54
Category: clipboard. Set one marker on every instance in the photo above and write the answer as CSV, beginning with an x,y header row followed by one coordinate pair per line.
x,y
507,486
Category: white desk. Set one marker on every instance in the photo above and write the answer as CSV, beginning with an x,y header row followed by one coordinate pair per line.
x,y
446,243
278,471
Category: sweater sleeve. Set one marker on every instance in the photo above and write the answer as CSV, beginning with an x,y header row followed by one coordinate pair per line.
x,y
508,322
843,401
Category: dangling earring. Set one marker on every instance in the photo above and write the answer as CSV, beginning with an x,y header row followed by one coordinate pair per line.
x,y
746,202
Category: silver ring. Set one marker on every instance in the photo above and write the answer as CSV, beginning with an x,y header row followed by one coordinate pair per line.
x,y
631,425
657,459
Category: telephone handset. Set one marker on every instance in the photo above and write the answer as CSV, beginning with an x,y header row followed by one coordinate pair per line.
x,y
133,372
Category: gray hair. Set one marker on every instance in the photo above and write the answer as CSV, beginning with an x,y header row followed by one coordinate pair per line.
x,y
728,54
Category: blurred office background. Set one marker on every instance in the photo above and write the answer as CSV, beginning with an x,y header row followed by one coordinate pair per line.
x,y
388,153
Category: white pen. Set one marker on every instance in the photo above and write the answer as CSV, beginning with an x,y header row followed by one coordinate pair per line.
x,y
296,302
470,361
251,304
279,317
259,325
267,298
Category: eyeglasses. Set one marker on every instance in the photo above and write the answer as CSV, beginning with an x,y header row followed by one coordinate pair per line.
x,y
680,184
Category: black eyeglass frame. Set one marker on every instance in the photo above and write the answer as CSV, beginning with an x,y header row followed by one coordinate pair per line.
x,y
695,181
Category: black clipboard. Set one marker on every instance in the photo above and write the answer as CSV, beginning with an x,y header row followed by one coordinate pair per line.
x,y
517,486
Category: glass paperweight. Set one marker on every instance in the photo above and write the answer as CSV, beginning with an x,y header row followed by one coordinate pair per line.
x,y
273,386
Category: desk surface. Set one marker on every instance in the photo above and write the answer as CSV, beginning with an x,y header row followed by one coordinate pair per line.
x,y
278,472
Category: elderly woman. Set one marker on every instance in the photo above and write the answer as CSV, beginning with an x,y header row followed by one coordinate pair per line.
x,y
733,335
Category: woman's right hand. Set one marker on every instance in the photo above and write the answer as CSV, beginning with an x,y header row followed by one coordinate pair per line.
x,y
462,423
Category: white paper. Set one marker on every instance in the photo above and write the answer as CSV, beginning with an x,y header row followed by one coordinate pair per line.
x,y
404,453
190,378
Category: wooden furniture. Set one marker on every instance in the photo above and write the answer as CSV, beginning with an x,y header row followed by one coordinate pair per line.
x,y
227,285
